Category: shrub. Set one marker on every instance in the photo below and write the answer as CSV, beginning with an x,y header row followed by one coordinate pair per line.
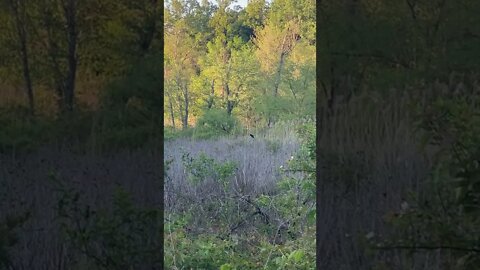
x,y
215,123
170,133
123,238
204,168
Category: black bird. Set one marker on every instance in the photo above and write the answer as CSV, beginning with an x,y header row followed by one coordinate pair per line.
x,y
252,136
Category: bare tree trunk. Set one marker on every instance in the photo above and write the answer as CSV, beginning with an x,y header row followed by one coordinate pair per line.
x,y
212,95
149,28
181,111
279,74
230,103
186,102
52,49
172,115
230,106
70,10
17,7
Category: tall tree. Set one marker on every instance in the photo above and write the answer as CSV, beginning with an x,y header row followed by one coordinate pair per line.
x,y
180,60
59,28
18,9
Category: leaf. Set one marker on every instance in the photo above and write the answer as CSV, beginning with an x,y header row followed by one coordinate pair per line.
x,y
311,216
226,266
296,255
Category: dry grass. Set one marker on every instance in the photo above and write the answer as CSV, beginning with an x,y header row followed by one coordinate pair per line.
x,y
258,160
369,160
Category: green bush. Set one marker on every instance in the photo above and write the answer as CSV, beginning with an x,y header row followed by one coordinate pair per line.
x,y
215,123
203,168
169,133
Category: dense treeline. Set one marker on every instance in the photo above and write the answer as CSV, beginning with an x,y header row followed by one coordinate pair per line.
x,y
255,64
375,46
60,57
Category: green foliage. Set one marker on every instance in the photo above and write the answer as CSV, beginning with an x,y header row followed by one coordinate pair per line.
x,y
273,107
204,168
296,204
215,123
454,125
230,75
273,146
200,235
126,236
170,133
448,217
202,252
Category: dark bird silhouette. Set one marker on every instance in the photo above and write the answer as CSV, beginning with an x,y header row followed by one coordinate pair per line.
x,y
252,136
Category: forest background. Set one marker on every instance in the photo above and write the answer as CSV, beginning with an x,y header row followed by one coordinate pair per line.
x,y
397,137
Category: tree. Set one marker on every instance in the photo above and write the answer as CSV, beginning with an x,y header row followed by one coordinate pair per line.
x,y
276,42
180,64
60,30
18,9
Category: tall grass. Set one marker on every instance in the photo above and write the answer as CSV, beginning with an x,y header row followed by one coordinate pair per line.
x,y
26,185
259,218
258,159
370,158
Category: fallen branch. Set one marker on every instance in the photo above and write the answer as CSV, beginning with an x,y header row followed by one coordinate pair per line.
x,y
466,249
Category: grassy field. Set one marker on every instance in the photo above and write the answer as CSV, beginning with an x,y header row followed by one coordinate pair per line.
x,y
226,203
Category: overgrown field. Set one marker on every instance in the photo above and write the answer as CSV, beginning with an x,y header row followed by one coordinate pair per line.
x,y
241,202
63,210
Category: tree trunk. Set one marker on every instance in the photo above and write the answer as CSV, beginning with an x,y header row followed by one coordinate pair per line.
x,y
181,111
53,49
28,79
332,94
230,106
279,74
70,10
186,102
147,33
172,115
230,103
211,97
22,37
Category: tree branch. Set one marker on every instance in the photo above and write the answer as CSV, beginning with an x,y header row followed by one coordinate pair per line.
x,y
426,247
